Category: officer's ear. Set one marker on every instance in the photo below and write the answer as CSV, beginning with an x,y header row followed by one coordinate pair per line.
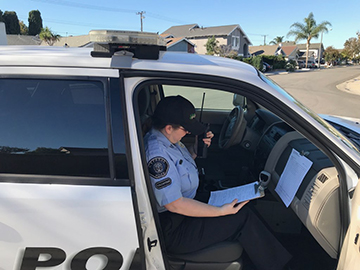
x,y
168,129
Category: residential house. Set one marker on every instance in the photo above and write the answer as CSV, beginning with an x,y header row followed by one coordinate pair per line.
x,y
180,44
315,50
229,37
290,52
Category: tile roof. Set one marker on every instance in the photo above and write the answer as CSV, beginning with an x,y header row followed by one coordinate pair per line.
x,y
288,49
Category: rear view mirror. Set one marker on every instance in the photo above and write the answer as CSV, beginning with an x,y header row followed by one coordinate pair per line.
x,y
239,100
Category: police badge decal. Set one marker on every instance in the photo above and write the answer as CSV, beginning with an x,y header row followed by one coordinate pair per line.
x,y
158,167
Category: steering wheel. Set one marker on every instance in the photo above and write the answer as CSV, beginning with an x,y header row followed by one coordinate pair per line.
x,y
233,128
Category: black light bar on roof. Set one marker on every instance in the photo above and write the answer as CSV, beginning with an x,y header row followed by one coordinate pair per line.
x,y
142,44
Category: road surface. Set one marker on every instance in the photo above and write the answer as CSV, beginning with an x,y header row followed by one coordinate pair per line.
x,y
317,90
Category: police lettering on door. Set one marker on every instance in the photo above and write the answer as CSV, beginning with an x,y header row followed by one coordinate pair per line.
x,y
56,256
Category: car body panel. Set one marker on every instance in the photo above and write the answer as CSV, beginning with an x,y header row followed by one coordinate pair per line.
x,y
350,253
84,212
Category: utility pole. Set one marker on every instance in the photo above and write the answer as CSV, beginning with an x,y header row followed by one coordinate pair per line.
x,y
141,18
264,39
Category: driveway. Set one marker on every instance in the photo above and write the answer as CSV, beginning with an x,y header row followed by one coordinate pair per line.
x,y
317,90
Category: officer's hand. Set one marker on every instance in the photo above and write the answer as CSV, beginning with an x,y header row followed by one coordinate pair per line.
x,y
233,207
207,140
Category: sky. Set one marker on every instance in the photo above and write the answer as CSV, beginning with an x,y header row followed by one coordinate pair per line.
x,y
261,20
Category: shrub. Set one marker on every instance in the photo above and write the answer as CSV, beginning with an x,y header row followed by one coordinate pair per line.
x,y
257,62
290,65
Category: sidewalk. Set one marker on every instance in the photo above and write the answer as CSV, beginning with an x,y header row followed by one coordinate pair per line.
x,y
283,71
351,86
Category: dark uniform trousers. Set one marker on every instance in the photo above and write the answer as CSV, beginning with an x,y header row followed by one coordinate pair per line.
x,y
185,234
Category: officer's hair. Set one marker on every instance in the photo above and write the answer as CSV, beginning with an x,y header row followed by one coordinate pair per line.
x,y
159,124
156,123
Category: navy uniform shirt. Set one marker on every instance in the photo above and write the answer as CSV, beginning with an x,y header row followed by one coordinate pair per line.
x,y
172,170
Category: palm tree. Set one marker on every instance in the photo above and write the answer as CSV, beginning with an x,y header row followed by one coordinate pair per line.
x,y
308,30
277,40
48,36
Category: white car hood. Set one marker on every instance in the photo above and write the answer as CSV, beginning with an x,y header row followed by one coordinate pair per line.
x,y
347,122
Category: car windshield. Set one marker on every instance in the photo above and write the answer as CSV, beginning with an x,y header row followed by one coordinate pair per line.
x,y
339,135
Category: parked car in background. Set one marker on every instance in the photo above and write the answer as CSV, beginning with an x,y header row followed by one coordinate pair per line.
x,y
322,61
300,64
266,67
311,64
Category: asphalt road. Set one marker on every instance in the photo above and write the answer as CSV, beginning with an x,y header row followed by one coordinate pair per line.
x,y
317,90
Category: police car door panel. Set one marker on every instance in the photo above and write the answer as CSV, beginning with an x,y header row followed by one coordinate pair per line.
x,y
350,252
66,227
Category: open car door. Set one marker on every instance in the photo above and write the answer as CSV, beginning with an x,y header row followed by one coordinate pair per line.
x,y
350,253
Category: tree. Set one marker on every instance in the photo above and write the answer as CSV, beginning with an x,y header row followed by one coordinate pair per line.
x,y
35,22
1,16
331,54
11,22
277,40
48,36
23,28
212,46
352,47
308,30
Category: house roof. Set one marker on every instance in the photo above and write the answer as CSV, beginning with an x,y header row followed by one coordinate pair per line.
x,y
23,40
312,46
194,30
266,49
172,41
74,41
288,50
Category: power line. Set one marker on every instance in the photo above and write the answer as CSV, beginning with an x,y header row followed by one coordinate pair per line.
x,y
108,9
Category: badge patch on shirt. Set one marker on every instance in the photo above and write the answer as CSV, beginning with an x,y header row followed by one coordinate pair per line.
x,y
158,167
163,183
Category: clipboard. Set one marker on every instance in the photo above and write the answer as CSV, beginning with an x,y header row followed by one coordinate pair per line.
x,y
243,193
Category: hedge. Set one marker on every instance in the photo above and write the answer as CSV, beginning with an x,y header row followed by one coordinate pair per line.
x,y
276,61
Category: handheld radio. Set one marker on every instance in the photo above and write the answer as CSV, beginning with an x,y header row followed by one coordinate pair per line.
x,y
201,146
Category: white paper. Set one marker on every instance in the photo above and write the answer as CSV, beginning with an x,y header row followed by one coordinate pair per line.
x,y
242,193
295,170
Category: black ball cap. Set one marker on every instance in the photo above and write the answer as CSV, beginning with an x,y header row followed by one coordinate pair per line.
x,y
177,110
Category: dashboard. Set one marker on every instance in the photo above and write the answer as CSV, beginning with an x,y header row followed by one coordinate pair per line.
x,y
316,202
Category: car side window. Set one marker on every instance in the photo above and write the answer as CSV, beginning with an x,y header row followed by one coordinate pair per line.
x,y
53,127
214,99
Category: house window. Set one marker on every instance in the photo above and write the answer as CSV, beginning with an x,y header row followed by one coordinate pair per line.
x,y
235,42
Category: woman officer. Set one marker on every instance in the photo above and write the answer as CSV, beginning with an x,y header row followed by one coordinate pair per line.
x,y
188,224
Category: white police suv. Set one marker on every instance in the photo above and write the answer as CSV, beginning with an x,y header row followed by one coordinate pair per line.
x,y
74,187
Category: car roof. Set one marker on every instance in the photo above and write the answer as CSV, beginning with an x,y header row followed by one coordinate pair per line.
x,y
48,56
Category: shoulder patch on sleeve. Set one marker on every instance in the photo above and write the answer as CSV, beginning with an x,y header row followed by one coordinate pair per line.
x,y
163,183
158,167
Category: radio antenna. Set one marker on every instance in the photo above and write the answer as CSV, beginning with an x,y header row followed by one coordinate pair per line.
x,y
202,107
